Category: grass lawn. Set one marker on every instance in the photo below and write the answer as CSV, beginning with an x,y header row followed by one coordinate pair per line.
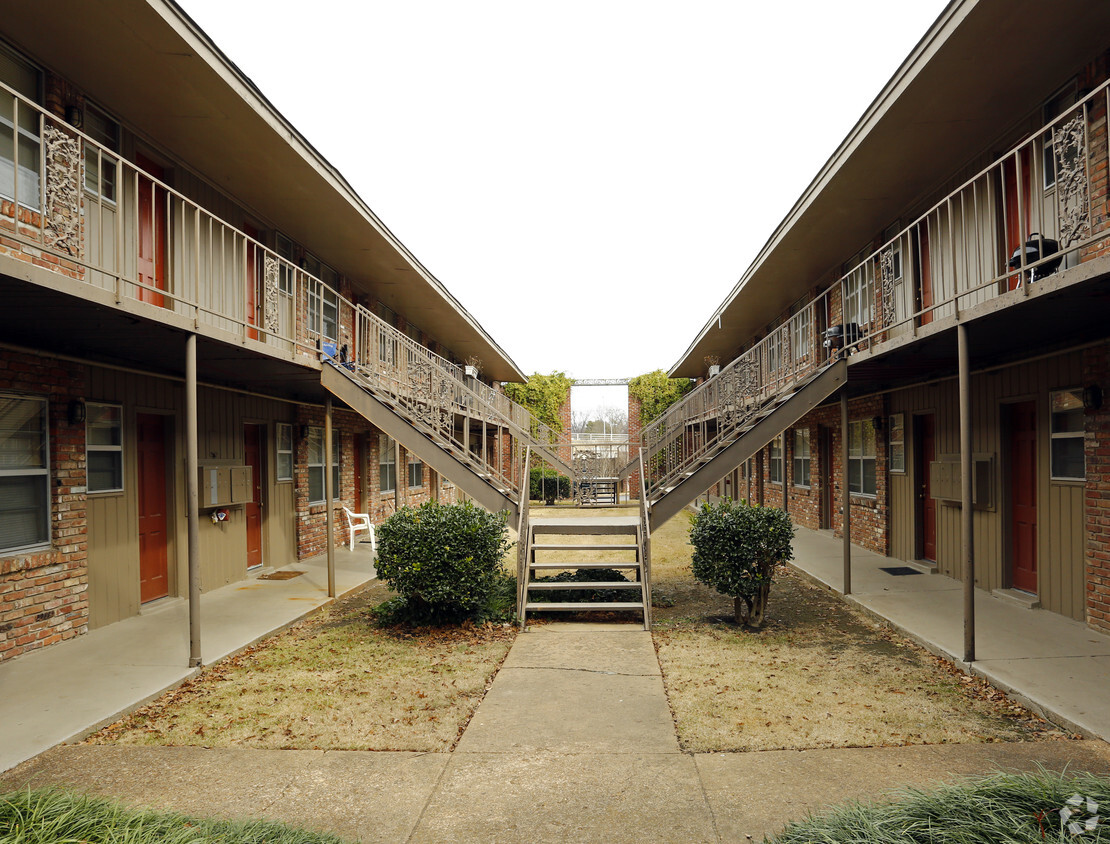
x,y
818,674
334,682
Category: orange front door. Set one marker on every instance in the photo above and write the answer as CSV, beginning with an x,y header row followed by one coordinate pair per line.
x,y
253,280
1023,496
1017,212
153,520
252,510
151,234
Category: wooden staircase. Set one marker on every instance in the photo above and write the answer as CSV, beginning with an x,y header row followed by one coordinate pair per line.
x,y
570,544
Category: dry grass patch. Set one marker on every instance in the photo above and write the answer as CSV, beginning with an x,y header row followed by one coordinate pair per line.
x,y
819,673
334,682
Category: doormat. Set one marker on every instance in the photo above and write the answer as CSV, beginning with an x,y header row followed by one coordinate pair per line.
x,y
899,571
280,575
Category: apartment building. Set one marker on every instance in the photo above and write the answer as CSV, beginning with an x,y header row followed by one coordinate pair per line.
x,y
193,294
953,248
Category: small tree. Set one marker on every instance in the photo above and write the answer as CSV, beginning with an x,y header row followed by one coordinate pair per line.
x,y
444,560
736,549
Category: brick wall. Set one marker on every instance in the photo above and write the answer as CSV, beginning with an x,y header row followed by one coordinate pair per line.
x,y
1096,371
43,594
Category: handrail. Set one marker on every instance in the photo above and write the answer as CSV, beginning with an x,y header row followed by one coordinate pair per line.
x,y
523,540
980,241
645,540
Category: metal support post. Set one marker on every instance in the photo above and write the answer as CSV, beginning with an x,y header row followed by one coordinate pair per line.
x,y
845,494
328,494
967,529
192,498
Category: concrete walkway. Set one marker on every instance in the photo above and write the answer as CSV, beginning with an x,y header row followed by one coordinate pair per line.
x,y
1056,666
66,691
573,743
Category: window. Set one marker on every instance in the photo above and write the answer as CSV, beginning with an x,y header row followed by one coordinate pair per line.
x,y
387,463
859,290
861,457
24,474
20,140
801,457
896,443
316,465
1066,435
776,460
104,447
285,452
100,167
323,301
801,331
416,471
774,351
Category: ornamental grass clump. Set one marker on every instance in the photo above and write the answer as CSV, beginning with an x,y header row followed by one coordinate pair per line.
x,y
736,550
443,560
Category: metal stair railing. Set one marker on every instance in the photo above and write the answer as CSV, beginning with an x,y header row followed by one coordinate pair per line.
x,y
523,542
692,430
645,544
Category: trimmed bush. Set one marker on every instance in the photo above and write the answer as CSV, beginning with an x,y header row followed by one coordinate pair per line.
x,y
547,485
736,549
443,560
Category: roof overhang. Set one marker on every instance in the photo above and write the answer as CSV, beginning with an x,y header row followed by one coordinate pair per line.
x,y
981,67
149,64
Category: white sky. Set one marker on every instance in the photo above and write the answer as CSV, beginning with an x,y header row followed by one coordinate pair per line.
x,y
589,177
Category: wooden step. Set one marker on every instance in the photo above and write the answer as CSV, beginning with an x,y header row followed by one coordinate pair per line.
x,y
562,606
536,546
564,565
588,584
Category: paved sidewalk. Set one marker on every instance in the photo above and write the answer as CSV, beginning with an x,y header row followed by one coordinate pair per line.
x,y
66,691
573,743
1056,666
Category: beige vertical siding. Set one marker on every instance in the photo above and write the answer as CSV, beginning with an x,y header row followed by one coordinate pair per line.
x,y
1059,504
113,517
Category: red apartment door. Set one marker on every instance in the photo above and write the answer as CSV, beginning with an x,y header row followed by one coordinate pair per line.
x,y
926,453
152,234
1023,496
926,286
252,279
1017,224
154,577
252,435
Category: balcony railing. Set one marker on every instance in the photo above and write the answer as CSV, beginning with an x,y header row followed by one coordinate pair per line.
x,y
75,207
1013,224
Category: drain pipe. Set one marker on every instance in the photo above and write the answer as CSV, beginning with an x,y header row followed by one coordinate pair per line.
x,y
845,495
967,526
192,498
328,508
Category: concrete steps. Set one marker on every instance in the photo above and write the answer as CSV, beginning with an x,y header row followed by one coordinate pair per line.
x,y
546,557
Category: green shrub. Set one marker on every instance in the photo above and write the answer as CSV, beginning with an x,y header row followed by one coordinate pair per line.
x,y
736,549
547,485
1012,808
443,560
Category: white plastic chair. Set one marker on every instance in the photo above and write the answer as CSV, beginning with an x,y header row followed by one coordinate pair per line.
x,y
360,523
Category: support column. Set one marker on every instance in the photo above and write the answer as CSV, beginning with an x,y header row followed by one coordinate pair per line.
x,y
192,498
845,494
967,529
397,476
328,495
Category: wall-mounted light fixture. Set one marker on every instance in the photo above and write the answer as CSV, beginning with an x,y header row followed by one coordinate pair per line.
x,y
74,116
303,432
877,424
1092,397
75,412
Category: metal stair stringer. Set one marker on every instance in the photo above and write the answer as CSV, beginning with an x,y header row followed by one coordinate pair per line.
x,y
425,447
749,442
